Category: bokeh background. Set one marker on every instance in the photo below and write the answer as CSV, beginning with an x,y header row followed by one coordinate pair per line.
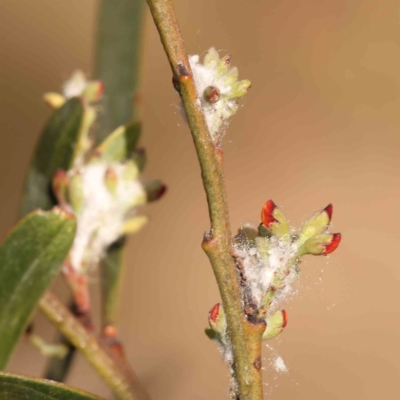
x,y
321,124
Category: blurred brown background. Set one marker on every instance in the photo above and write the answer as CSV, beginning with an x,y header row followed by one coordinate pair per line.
x,y
321,124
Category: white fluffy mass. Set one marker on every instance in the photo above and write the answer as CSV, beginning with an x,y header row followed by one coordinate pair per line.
x,y
279,365
204,77
103,214
259,272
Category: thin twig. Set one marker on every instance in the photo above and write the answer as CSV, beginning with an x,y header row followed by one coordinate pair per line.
x,y
245,336
119,379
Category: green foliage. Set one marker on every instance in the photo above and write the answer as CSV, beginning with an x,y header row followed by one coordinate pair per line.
x,y
30,257
117,60
55,150
110,268
120,144
15,387
117,66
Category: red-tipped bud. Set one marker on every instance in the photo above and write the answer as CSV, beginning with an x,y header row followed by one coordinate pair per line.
x,y
154,190
217,320
275,324
329,209
267,214
285,319
213,315
319,245
94,91
333,245
274,221
223,65
317,224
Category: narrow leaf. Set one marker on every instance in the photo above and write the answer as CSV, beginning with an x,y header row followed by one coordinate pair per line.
x,y
55,150
120,144
117,65
117,60
110,268
14,387
30,257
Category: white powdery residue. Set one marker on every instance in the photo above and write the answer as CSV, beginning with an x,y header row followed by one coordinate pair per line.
x,y
227,353
280,253
259,273
279,365
204,77
103,214
257,277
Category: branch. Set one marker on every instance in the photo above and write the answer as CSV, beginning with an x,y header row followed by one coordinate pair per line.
x,y
245,336
119,379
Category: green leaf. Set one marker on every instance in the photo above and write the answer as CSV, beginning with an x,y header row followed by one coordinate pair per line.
x,y
55,150
16,387
117,65
120,144
30,257
110,273
118,60
139,157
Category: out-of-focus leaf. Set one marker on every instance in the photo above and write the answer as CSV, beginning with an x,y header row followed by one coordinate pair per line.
x,y
117,65
55,150
120,144
16,387
139,157
110,268
31,255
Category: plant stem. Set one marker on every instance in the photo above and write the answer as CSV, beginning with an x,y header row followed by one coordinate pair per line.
x,y
119,379
117,65
245,336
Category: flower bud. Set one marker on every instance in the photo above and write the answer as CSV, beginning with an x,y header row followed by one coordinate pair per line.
x,y
322,244
275,325
231,76
317,224
223,65
217,320
131,171
60,187
154,190
274,221
239,89
211,58
54,100
134,225
93,91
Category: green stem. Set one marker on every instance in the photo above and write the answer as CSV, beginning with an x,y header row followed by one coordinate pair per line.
x,y
119,380
245,336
